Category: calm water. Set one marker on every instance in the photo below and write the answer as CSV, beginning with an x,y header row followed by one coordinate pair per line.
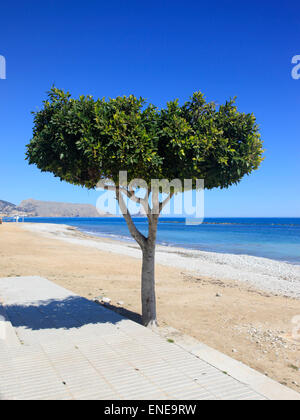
x,y
272,238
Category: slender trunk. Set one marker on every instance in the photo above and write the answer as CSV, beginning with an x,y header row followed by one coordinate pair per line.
x,y
147,246
148,286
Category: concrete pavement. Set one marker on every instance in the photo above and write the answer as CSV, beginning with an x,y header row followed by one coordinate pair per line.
x,y
57,345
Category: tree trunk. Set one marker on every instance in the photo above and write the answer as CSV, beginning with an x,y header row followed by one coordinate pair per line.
x,y
147,246
148,286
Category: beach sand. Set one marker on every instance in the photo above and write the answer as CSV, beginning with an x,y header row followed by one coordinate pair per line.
x,y
235,304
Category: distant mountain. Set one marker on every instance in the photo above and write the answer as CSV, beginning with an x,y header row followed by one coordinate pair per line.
x,y
6,207
35,208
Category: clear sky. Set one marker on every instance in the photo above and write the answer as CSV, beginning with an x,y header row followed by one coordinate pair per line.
x,y
160,50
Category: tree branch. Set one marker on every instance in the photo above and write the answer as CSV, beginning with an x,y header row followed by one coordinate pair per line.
x,y
153,221
129,195
145,204
152,217
137,235
166,200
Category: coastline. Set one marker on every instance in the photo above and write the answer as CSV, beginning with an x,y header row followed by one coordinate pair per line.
x,y
233,317
263,274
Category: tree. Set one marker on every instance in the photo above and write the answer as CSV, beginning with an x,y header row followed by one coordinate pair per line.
x,y
83,140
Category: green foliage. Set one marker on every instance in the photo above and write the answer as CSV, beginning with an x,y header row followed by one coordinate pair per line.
x,y
84,140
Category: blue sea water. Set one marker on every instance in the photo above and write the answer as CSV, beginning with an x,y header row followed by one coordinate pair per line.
x,y
275,238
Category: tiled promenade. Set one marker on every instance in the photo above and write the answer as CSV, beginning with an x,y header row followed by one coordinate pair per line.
x,y
57,345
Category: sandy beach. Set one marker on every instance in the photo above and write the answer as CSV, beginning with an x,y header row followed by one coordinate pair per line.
x,y
242,306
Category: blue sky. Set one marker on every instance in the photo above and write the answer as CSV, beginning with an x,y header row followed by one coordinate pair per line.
x,y
160,50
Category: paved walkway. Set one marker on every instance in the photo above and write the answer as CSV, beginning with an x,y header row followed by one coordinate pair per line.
x,y
57,345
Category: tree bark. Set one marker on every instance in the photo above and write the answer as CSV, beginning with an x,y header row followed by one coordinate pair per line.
x,y
149,318
147,245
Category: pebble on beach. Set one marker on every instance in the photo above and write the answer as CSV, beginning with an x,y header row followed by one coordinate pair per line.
x,y
106,300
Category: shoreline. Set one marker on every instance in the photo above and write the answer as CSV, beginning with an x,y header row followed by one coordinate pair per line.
x,y
127,239
276,277
271,238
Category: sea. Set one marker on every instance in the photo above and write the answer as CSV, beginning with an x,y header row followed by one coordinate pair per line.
x,y
274,238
